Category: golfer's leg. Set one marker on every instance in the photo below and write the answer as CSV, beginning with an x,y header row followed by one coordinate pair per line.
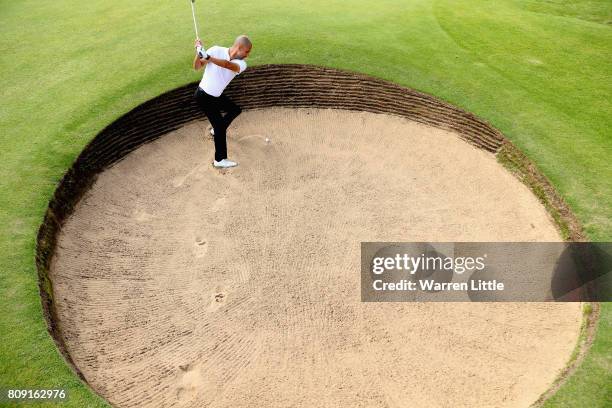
x,y
231,108
217,122
211,108
220,144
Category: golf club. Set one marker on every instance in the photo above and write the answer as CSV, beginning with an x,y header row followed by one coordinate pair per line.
x,y
195,24
199,49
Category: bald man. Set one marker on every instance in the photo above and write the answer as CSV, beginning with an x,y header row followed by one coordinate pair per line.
x,y
222,65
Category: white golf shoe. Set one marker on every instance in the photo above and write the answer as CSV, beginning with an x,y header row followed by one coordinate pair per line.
x,y
224,163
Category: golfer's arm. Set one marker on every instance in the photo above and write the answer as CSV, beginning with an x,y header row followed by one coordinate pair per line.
x,y
198,62
224,64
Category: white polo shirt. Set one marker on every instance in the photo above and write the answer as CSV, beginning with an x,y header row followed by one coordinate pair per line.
x,y
216,78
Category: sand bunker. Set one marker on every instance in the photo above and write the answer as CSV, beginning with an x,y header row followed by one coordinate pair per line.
x,y
176,284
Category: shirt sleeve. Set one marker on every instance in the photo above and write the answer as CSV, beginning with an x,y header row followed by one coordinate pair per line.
x,y
241,63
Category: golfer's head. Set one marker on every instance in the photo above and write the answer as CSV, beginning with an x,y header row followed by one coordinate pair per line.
x,y
243,46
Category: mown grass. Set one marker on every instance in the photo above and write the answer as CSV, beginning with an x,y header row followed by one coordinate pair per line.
x,y
540,72
590,386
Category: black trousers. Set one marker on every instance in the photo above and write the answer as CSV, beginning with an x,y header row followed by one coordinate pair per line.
x,y
212,106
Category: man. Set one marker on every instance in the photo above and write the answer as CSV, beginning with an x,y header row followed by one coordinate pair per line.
x,y
222,65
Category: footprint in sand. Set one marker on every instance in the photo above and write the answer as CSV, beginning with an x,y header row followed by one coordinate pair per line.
x,y
189,381
218,299
201,247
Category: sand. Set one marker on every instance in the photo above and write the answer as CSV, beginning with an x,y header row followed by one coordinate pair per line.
x,y
177,284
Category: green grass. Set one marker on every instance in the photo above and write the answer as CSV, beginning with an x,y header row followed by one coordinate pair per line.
x,y
538,71
593,375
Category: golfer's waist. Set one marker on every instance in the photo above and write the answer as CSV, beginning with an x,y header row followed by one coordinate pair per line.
x,y
202,91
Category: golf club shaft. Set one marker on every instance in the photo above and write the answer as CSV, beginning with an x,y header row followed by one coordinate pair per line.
x,y
195,24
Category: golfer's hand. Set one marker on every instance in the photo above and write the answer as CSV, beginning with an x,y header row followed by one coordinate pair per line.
x,y
202,53
200,50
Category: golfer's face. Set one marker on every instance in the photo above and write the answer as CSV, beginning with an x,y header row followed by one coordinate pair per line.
x,y
244,52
